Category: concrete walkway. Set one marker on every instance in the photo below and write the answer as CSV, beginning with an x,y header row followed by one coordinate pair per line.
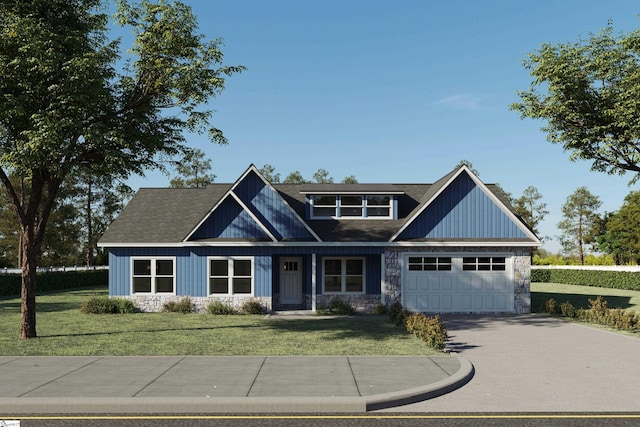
x,y
70,385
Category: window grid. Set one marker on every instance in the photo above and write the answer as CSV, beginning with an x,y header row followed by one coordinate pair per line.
x,y
153,275
231,276
351,206
429,263
484,264
343,275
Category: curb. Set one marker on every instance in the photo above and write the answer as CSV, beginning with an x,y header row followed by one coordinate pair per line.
x,y
16,406
405,397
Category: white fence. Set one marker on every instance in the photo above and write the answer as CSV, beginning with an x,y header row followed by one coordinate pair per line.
x,y
633,268
49,269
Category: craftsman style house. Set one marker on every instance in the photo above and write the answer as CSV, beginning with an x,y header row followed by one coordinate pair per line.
x,y
451,246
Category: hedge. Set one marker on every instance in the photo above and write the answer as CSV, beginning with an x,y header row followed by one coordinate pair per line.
x,y
628,280
54,281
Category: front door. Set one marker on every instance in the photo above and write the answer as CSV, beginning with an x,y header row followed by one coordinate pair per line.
x,y
291,280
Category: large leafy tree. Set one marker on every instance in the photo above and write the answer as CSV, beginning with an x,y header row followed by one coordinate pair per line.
x,y
579,225
621,231
65,107
588,93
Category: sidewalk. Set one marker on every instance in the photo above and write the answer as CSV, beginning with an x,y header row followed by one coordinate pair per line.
x,y
153,385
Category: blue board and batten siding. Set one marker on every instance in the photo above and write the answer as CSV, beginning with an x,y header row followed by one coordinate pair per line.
x,y
463,210
191,266
270,209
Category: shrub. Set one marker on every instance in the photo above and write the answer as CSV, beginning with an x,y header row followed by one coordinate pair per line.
x,y
628,280
431,330
568,310
380,309
253,307
10,284
184,306
106,305
397,314
337,306
218,307
598,312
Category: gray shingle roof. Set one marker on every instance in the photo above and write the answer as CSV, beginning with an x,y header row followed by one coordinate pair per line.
x,y
163,215
168,215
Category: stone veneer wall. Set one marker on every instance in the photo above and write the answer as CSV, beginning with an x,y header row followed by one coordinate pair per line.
x,y
154,303
521,271
361,302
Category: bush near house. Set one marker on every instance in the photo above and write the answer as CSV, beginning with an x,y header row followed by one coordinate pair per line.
x,y
55,281
628,280
184,306
106,305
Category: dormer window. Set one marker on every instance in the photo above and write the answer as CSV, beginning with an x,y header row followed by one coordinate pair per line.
x,y
351,206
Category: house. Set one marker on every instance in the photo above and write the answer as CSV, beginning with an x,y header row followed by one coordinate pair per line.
x,y
451,246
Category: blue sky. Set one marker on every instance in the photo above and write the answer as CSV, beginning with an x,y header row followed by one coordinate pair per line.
x,y
397,91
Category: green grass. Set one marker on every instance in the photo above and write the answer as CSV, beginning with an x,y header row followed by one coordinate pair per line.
x,y
64,331
579,296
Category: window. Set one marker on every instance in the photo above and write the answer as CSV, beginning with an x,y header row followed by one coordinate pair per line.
x,y
429,263
153,276
351,206
343,275
324,205
484,264
231,276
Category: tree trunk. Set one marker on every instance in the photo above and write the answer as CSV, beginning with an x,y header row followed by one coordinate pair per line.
x,y
89,258
28,291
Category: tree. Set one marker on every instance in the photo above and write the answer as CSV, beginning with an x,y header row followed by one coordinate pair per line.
x,y
588,93
530,208
321,176
620,235
579,226
294,178
351,179
468,164
66,108
194,171
269,173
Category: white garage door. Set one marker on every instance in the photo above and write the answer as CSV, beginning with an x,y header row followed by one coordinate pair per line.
x,y
478,283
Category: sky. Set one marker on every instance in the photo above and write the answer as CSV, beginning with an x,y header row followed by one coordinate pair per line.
x,y
397,92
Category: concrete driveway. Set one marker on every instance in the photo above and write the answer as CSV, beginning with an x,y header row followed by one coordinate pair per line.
x,y
532,363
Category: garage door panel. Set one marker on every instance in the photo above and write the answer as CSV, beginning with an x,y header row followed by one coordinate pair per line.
x,y
447,283
458,289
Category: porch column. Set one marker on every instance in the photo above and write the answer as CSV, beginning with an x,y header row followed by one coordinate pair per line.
x,y
313,282
383,279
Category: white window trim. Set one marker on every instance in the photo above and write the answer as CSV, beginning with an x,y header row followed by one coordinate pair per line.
x,y
344,275
230,275
153,260
338,206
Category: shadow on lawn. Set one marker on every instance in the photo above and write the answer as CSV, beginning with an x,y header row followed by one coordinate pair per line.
x,y
363,326
147,331
578,300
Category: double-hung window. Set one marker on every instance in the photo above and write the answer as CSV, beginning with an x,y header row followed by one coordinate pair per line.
x,y
153,275
231,276
343,275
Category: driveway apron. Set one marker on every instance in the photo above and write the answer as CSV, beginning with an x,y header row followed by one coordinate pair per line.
x,y
533,363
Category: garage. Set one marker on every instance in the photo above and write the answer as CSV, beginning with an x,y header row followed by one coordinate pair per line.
x,y
458,283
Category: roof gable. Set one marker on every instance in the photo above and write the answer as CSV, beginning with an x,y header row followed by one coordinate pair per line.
x,y
260,201
460,206
230,220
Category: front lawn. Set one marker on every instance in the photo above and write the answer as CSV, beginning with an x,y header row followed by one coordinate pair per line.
x,y
64,331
